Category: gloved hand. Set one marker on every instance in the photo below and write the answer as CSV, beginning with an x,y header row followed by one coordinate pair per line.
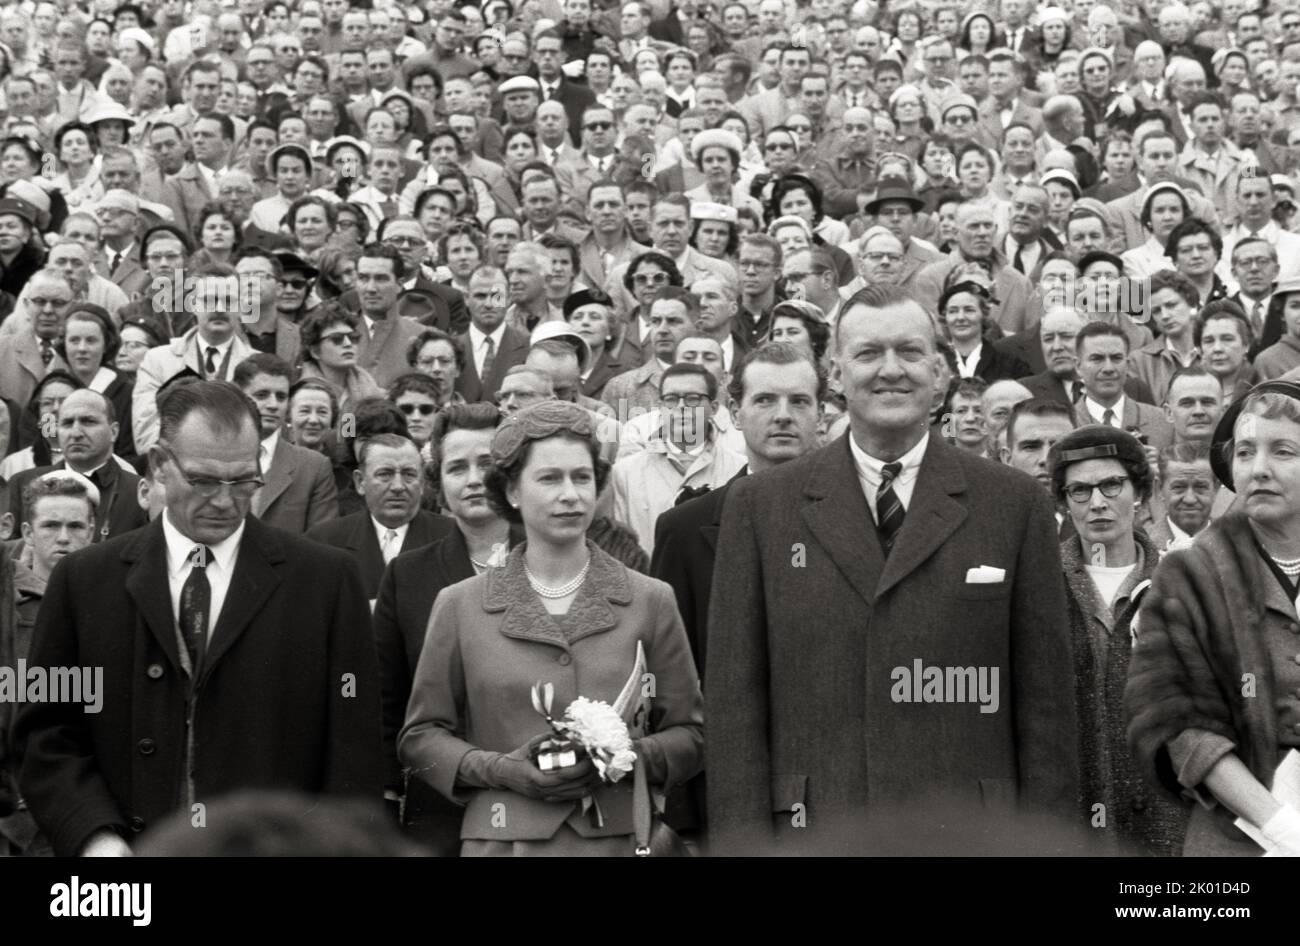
x,y
1283,829
517,772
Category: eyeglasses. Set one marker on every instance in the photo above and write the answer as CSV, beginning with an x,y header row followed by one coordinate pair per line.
x,y
857,127
1252,262
208,486
650,279
1082,492
875,257
690,400
598,126
962,119
424,409
338,338
295,283
403,240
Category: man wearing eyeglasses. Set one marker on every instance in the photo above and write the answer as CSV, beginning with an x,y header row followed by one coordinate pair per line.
x,y
390,476
683,454
937,84
195,618
576,171
27,357
210,350
1255,203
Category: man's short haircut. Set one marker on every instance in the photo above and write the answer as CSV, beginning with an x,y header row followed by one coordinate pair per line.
x,y
765,242
686,369
261,363
224,406
1035,407
1252,241
970,387
1194,451
879,297
384,251
678,294
1172,279
372,416
393,441
775,353
44,487
1099,330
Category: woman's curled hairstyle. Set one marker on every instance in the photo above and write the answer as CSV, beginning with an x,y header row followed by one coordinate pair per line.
x,y
517,434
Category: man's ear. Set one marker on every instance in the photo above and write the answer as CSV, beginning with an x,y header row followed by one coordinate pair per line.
x,y
359,482
6,525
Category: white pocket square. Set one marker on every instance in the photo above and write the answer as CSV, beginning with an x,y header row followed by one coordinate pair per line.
x,y
985,575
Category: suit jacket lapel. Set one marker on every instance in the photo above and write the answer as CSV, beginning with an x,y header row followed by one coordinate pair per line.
x,y
278,480
931,516
1131,420
840,519
251,584
453,558
29,355
366,544
148,586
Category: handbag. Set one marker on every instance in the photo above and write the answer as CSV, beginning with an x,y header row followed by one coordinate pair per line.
x,y
653,836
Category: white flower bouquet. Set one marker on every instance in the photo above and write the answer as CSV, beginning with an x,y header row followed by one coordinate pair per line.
x,y
591,727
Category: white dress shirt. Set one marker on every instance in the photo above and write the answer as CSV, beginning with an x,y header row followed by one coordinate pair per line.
x,y
267,451
871,471
220,358
1028,256
220,568
477,348
728,347
1097,412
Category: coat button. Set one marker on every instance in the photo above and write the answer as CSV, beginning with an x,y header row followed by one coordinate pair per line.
x,y
137,824
565,660
146,746
155,671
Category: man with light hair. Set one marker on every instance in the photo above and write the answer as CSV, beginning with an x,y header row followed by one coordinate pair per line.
x,y
1147,84
1104,33
1174,23
1186,81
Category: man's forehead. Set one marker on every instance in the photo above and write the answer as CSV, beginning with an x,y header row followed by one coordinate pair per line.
x,y
1193,468
900,321
1195,386
392,456
668,309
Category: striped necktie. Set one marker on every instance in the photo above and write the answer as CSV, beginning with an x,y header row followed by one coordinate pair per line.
x,y
889,508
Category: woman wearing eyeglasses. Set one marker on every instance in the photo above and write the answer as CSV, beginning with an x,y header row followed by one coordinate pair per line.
x,y
1099,475
330,340
907,108
560,611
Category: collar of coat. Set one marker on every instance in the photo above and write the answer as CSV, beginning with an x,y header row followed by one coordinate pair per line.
x,y
1084,591
506,589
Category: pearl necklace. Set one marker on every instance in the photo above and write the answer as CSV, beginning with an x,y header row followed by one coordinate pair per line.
x,y
564,590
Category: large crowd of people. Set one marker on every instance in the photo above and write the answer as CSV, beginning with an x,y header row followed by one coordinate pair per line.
x,y
902,398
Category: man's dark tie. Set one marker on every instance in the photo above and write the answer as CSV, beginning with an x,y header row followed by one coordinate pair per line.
x,y
1076,392
1019,261
116,262
688,493
489,356
196,602
388,208
211,365
47,351
889,508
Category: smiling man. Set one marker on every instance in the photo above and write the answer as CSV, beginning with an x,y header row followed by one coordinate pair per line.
x,y
193,619
906,548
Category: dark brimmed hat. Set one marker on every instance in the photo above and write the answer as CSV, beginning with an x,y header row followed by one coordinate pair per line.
x,y
894,188
17,207
1100,442
576,300
1224,430
293,263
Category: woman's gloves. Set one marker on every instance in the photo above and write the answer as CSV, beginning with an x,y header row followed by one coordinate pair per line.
x,y
517,772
